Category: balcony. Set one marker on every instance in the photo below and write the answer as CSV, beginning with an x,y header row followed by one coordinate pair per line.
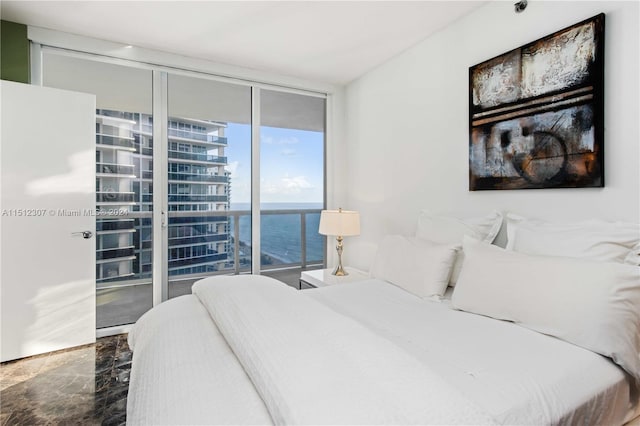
x,y
121,115
116,169
190,177
145,150
302,227
196,136
197,198
192,156
115,197
115,253
197,239
115,142
115,225
213,256
200,218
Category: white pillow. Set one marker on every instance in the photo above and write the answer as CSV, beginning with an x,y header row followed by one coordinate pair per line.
x,y
420,267
594,305
591,239
450,230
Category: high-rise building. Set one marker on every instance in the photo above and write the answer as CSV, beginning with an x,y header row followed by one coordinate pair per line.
x,y
198,185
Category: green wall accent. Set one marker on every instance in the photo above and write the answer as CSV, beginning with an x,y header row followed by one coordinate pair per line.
x,y
14,52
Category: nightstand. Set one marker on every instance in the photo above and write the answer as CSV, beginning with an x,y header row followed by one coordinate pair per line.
x,y
324,278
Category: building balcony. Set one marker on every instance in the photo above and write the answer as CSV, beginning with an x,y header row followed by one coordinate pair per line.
x,y
236,256
197,198
115,142
115,197
115,225
121,115
115,253
196,136
192,156
188,218
198,260
197,239
144,151
190,177
116,169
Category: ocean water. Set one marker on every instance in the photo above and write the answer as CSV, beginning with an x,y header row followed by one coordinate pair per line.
x,y
280,236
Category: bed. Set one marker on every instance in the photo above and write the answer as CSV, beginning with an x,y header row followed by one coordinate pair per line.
x,y
251,350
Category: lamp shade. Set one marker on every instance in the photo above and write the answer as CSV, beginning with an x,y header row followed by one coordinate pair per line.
x,y
339,223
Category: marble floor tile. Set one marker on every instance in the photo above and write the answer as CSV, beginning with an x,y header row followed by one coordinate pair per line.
x,y
87,385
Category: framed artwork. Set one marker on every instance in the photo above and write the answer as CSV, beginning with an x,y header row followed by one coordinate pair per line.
x,y
536,113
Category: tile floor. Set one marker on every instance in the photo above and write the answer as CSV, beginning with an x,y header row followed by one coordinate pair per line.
x,y
87,385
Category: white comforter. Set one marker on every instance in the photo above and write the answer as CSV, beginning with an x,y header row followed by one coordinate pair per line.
x,y
312,365
360,353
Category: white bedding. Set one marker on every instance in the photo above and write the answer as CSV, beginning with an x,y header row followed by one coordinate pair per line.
x,y
331,370
519,376
185,373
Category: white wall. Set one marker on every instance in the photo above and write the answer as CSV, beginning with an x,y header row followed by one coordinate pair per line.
x,y
407,125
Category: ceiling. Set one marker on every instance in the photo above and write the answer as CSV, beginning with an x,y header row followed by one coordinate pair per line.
x,y
324,41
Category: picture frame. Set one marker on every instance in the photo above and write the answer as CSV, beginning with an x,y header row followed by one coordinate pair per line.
x,y
536,113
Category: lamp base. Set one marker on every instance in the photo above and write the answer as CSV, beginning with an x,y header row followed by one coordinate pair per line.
x,y
340,271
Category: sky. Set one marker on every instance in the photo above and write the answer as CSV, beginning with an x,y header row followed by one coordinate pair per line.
x,y
291,164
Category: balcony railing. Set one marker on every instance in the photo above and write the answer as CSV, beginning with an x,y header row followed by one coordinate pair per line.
x,y
238,259
114,253
115,197
114,225
196,136
119,169
197,157
212,256
191,177
195,198
197,239
115,141
145,150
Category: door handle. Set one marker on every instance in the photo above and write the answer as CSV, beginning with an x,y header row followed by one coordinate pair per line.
x,y
85,234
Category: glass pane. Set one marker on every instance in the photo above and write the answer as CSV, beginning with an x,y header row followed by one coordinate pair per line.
x,y
315,241
292,136
124,188
209,131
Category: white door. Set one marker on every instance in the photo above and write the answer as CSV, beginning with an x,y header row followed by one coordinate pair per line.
x,y
47,266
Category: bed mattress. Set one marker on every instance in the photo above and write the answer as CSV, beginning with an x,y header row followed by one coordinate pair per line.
x,y
184,372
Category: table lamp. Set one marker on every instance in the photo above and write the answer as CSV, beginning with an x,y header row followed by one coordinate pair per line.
x,y
340,223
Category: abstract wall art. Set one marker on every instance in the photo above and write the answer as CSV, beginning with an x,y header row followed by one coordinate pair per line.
x,y
536,116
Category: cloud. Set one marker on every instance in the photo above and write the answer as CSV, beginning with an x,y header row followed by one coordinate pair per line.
x,y
288,152
279,141
287,185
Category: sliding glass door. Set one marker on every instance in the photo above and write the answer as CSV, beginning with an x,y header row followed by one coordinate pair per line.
x,y
209,180
181,161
